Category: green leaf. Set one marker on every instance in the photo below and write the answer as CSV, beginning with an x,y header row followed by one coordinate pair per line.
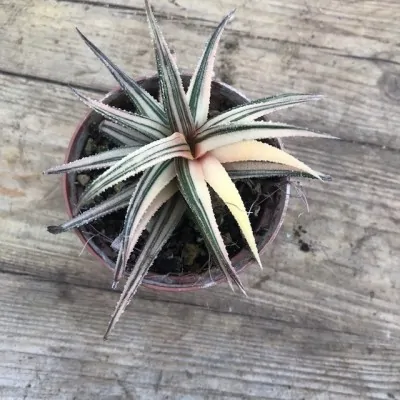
x,y
152,182
146,105
223,135
122,135
152,130
138,161
256,109
173,94
165,222
112,204
96,161
261,169
200,85
194,189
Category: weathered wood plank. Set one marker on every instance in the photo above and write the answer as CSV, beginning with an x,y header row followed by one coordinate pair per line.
x,y
51,349
322,319
353,28
362,93
351,229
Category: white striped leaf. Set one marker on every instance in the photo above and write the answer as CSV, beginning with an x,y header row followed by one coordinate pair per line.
x,y
165,222
138,161
223,135
252,150
112,204
152,182
152,130
146,221
194,189
96,161
263,169
199,90
146,105
173,94
217,177
123,135
256,109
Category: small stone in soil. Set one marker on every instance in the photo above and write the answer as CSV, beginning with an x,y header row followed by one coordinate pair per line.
x,y
189,253
83,179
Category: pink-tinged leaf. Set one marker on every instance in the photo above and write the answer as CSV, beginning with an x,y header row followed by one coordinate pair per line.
x,y
194,189
140,160
165,222
252,150
174,98
153,190
265,169
223,135
200,84
152,130
217,177
255,109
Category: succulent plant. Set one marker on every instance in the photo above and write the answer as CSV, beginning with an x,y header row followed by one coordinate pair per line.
x,y
176,152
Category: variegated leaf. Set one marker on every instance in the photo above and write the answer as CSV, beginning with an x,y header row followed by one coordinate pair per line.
x,y
217,177
263,169
152,130
174,97
194,189
112,204
140,160
96,161
199,90
146,105
223,135
123,135
256,109
152,182
165,222
252,150
146,222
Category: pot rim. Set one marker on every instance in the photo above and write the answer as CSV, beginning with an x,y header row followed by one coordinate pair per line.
x,y
241,261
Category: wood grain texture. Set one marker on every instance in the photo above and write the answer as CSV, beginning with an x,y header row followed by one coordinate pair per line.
x,y
362,91
332,305
322,320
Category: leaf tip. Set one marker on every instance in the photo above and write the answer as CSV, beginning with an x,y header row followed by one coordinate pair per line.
x,y
114,285
54,229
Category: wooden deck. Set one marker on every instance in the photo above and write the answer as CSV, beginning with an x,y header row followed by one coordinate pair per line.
x,y
322,320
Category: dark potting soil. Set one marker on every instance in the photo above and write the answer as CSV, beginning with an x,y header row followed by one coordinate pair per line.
x,y
185,252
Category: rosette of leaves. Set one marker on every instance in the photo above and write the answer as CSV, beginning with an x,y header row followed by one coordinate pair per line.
x,y
178,152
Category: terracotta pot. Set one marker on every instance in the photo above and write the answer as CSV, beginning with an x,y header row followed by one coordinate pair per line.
x,y
270,220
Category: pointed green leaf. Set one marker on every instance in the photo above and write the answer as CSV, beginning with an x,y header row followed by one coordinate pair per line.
x,y
200,85
262,169
123,135
223,135
138,161
152,130
256,109
112,204
144,102
152,182
96,161
165,222
194,189
174,97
